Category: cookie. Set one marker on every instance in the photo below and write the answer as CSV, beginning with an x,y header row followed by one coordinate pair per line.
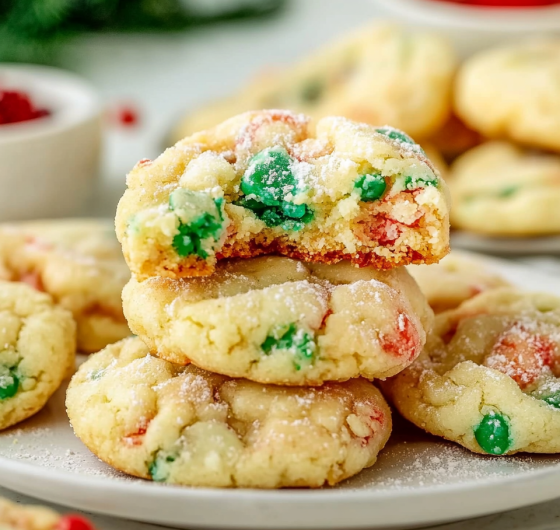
x,y
37,346
500,189
182,425
488,377
277,320
456,278
265,182
18,517
513,92
79,263
382,74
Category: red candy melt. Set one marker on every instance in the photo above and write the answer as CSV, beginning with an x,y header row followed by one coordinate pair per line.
x,y
74,522
16,107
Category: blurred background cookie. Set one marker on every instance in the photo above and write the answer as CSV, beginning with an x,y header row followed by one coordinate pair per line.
x,y
501,189
512,92
79,263
382,74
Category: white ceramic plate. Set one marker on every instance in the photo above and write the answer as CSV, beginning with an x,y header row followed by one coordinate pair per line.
x,y
506,245
419,479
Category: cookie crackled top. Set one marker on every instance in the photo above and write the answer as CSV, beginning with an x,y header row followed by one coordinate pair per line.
x,y
270,182
182,425
489,375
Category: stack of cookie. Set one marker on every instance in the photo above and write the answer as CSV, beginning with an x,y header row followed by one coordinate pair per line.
x,y
268,290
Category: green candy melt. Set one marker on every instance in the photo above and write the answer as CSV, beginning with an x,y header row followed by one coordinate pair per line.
x,y
412,183
395,134
201,221
9,382
269,176
371,187
159,467
553,400
312,91
266,182
493,434
293,339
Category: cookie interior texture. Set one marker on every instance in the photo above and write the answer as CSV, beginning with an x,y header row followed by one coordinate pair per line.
x,y
380,74
79,263
182,425
38,342
488,377
499,188
278,320
267,182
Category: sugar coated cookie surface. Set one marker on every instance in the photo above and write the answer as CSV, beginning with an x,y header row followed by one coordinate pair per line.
x,y
380,74
37,347
79,263
456,278
488,377
19,517
500,189
182,425
277,320
513,92
265,182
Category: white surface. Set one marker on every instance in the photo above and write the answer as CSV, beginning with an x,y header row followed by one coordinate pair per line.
x,y
506,245
418,480
49,166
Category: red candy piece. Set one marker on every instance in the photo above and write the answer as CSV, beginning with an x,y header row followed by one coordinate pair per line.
x,y
16,107
522,355
128,116
404,343
74,522
505,3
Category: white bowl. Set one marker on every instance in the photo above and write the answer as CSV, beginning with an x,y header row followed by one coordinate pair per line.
x,y
49,166
473,28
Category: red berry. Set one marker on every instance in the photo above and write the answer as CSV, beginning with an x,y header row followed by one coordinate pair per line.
x,y
17,107
74,522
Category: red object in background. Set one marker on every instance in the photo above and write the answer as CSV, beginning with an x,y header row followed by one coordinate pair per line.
x,y
74,522
123,115
505,3
15,107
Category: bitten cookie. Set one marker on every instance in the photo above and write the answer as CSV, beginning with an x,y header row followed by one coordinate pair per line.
x,y
513,92
453,280
264,182
80,264
500,189
277,320
18,517
381,74
37,346
488,376
182,425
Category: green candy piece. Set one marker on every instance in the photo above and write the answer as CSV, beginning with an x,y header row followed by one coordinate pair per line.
x,y
292,339
271,217
269,177
200,218
371,187
412,183
159,467
493,434
312,91
553,400
9,382
395,134
294,211
508,192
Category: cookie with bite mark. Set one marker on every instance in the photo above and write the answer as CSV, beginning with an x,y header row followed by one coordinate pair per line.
x,y
270,182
